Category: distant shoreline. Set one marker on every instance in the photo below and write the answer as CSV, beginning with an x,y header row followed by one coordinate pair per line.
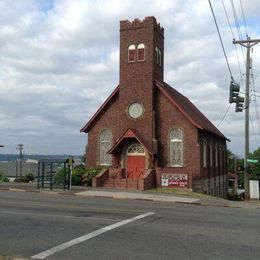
x,y
14,157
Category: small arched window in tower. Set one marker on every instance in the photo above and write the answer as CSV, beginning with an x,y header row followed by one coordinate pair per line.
x,y
140,52
157,55
176,152
105,141
131,53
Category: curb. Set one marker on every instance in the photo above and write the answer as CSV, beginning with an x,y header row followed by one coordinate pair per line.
x,y
96,196
68,193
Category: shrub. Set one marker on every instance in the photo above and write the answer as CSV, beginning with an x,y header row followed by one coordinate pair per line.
x,y
3,179
77,174
29,177
90,173
59,176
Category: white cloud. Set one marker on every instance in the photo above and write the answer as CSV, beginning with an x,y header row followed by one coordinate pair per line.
x,y
60,60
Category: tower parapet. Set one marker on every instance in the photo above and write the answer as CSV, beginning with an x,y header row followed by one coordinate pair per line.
x,y
149,21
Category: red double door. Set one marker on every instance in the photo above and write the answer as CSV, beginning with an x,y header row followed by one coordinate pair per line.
x,y
135,166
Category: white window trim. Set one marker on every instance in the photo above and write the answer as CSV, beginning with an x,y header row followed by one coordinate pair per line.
x,y
160,57
100,142
139,151
157,55
177,141
139,47
131,47
204,153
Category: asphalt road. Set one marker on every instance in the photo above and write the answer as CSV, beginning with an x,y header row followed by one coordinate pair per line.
x,y
31,223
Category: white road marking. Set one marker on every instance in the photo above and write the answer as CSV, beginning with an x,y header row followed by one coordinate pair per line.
x,y
83,238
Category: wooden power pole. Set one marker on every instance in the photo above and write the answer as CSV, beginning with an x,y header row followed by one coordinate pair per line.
x,y
248,44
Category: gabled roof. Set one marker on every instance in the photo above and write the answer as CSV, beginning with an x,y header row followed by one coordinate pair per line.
x,y
185,106
92,119
129,134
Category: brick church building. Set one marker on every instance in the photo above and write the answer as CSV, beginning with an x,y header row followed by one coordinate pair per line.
x,y
147,134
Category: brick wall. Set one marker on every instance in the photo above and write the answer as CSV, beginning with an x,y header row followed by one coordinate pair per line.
x,y
168,117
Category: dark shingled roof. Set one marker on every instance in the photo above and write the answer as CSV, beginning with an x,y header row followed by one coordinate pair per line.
x,y
188,109
184,105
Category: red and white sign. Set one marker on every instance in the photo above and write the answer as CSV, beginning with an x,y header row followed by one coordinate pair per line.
x,y
174,180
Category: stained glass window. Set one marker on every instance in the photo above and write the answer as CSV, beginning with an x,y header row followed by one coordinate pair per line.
x,y
105,141
176,152
135,149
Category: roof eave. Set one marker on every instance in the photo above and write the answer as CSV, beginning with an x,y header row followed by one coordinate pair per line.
x,y
85,128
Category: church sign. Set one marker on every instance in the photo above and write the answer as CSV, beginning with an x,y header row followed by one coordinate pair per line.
x,y
173,180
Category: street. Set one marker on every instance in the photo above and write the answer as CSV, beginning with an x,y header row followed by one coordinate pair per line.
x,y
32,223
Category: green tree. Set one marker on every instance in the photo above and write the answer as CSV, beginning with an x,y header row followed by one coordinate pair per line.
x,y
254,168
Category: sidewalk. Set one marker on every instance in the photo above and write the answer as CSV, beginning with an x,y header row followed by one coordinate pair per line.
x,y
132,195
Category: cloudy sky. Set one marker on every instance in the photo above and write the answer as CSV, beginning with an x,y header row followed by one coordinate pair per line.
x,y
59,60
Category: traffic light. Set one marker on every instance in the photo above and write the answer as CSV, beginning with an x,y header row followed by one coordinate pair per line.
x,y
233,92
234,96
239,104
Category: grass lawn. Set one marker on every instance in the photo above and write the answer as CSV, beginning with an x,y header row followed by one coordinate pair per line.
x,y
179,192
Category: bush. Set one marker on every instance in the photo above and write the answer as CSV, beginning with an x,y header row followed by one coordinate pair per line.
x,y
3,179
77,174
27,178
59,176
90,173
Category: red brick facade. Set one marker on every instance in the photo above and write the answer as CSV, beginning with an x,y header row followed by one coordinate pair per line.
x,y
163,109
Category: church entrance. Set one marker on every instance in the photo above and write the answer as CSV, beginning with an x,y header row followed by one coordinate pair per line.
x,y
135,161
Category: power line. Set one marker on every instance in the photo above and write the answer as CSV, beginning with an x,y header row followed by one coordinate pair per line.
x,y
224,116
238,27
243,18
215,20
230,27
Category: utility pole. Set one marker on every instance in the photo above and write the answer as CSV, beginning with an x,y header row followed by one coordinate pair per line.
x,y
248,44
20,148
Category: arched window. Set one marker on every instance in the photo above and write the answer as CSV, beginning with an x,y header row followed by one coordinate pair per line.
x,y
176,153
159,58
204,153
135,149
140,52
131,53
157,55
105,141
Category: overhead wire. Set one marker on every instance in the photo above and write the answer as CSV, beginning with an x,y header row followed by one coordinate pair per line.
x,y
224,116
242,10
231,30
219,35
238,28
224,51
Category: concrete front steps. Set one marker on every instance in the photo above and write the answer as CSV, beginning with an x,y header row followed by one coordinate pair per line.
x,y
116,178
123,183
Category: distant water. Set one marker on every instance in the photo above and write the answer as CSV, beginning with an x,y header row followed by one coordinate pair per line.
x,y
13,157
